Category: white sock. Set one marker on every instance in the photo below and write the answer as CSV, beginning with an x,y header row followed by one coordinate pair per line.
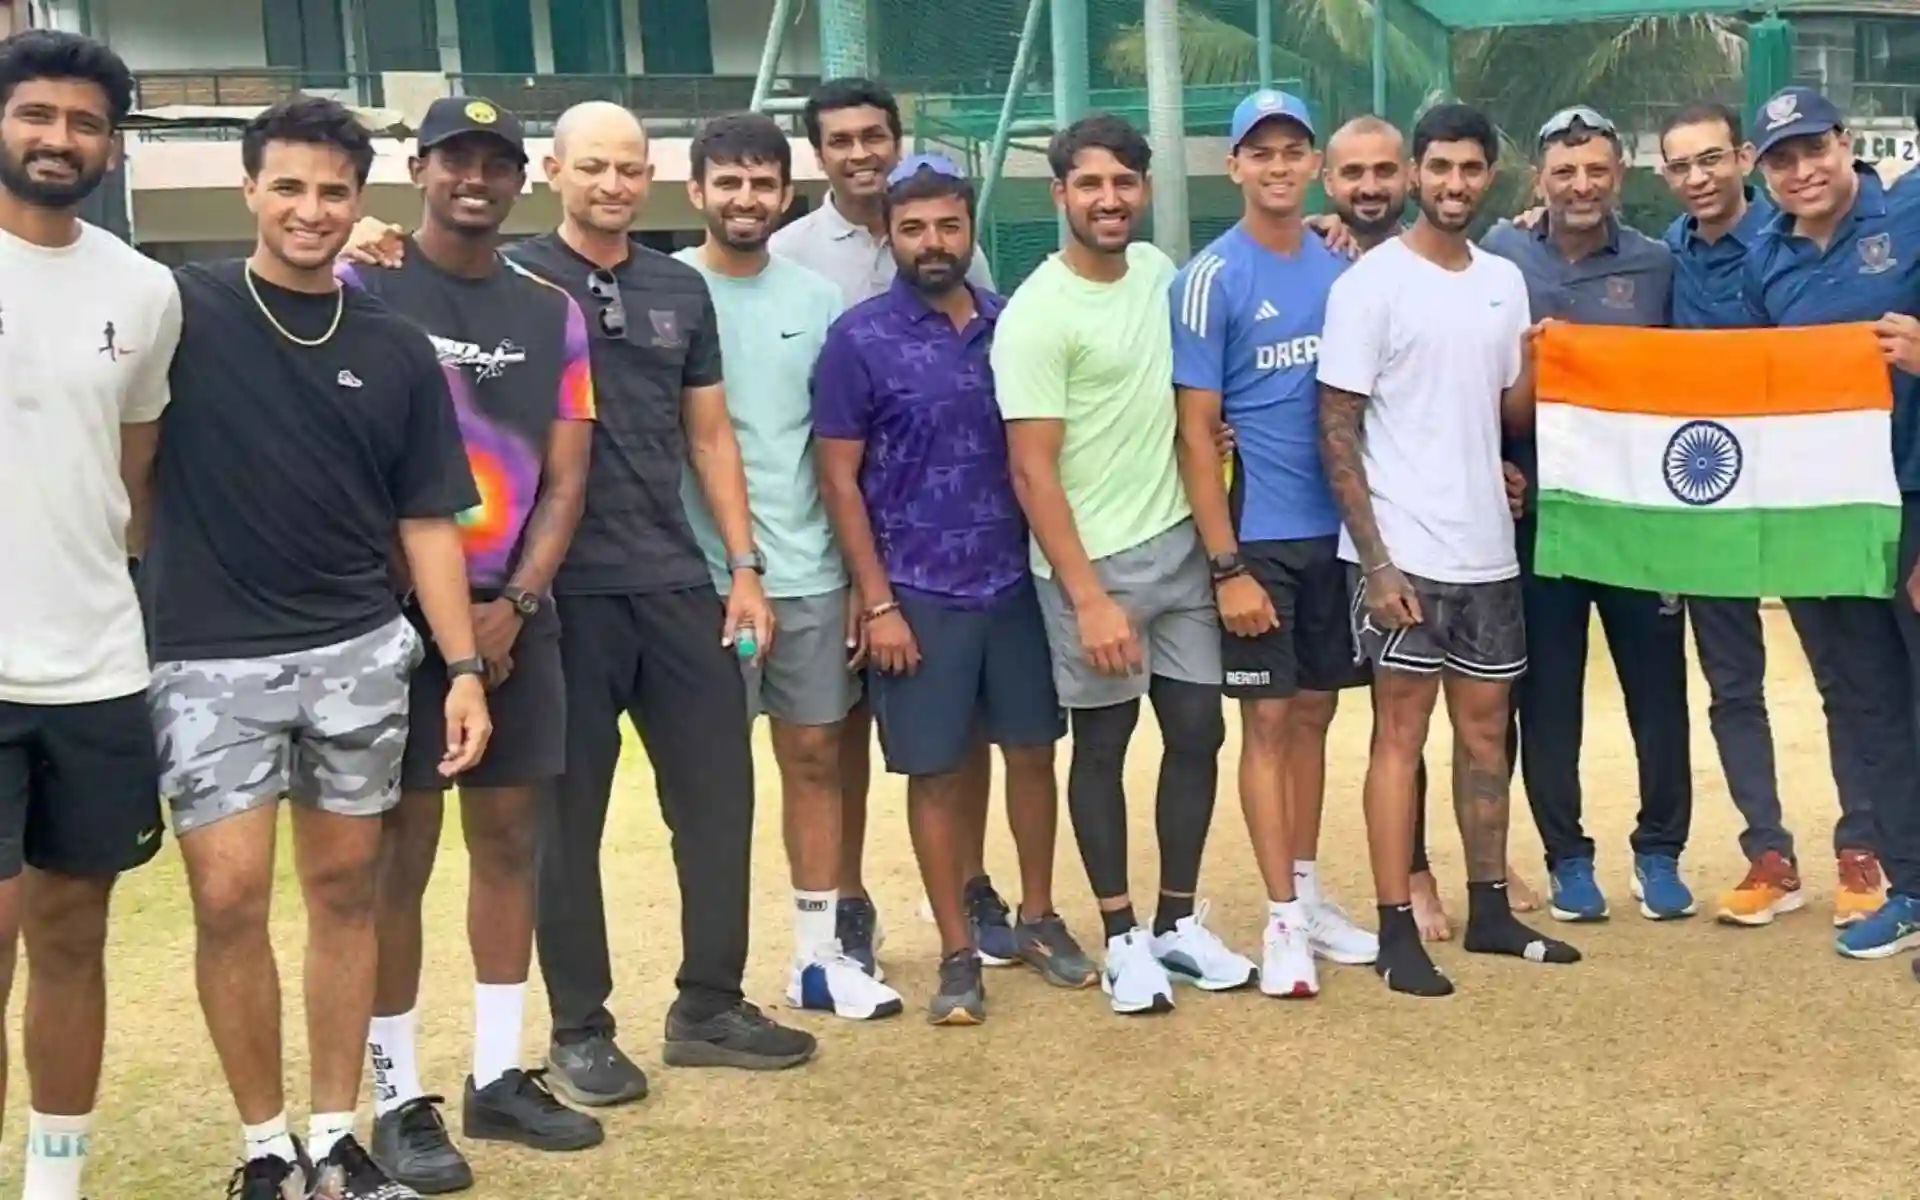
x,y
1292,913
268,1139
396,1069
813,922
56,1156
498,1011
325,1131
1306,881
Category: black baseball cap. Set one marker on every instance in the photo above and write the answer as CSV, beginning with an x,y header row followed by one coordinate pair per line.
x,y
456,116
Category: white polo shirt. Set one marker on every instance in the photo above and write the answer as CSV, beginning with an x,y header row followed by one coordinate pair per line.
x,y
87,333
858,263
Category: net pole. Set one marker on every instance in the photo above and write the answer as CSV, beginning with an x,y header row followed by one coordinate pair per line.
x,y
1166,128
1263,30
1380,59
1016,86
1069,44
843,38
770,51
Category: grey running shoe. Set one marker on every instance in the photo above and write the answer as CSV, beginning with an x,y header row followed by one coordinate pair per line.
x,y
594,1072
962,998
1047,947
517,1107
742,1037
412,1145
348,1172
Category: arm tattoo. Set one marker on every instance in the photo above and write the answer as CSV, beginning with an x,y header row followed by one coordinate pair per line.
x,y
1340,413
1480,804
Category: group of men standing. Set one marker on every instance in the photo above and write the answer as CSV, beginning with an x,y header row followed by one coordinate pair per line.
x,y
825,473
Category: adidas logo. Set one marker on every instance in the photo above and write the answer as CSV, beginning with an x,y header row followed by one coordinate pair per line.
x,y
1266,311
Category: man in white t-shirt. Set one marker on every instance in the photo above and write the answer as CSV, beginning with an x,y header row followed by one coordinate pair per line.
x,y
1421,361
87,329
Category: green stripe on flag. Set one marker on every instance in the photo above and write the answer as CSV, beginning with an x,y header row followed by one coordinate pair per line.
x,y
1838,550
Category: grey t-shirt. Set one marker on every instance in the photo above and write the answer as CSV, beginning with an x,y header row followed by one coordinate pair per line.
x,y
858,263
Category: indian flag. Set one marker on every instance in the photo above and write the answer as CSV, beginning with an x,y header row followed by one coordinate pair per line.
x,y
1751,462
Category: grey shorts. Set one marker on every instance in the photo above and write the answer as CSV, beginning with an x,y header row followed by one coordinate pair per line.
x,y
804,680
1165,586
1478,630
325,727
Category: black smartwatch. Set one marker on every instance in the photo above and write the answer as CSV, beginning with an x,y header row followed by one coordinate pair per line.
x,y
524,602
752,560
1226,566
475,666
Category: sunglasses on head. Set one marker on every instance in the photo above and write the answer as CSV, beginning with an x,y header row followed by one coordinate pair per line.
x,y
1579,114
932,164
602,286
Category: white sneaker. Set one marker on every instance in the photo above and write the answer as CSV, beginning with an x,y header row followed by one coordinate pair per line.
x,y
832,982
1193,954
1286,965
1133,978
1336,938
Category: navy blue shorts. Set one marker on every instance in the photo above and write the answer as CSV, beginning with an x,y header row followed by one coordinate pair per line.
x,y
984,673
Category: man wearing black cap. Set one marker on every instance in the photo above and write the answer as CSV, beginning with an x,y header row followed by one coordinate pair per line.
x,y
514,351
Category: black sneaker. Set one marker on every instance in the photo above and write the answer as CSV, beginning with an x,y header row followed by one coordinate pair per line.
x,y
594,1072
272,1178
857,924
518,1108
348,1172
412,1145
742,1036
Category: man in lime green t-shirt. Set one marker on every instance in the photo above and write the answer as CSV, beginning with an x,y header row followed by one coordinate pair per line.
x,y
1083,365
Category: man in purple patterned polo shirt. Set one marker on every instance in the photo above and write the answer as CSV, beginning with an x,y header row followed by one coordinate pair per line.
x,y
913,465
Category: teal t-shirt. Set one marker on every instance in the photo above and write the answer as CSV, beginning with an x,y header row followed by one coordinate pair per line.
x,y
771,328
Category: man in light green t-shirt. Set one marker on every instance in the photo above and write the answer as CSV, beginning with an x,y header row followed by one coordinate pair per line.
x,y
1083,365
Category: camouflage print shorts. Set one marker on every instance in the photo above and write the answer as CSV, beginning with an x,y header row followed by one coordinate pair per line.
x,y
323,727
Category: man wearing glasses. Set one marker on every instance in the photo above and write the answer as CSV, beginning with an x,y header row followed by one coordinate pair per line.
x,y
1581,264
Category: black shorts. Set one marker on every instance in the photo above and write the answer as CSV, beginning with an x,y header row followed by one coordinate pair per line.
x,y
1478,630
529,711
983,673
1312,651
79,787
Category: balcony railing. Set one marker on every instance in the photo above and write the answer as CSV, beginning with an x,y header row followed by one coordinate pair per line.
x,y
662,100
247,87
1885,100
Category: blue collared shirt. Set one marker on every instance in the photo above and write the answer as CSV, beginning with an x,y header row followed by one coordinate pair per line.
x,y
1869,269
1708,290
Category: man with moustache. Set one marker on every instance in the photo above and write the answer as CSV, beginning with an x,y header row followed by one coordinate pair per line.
x,y
1421,366
1582,265
772,317
956,645
1083,362
854,128
514,350
1246,337
1846,247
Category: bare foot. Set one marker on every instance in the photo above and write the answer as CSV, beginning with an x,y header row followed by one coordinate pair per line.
x,y
1521,898
1428,913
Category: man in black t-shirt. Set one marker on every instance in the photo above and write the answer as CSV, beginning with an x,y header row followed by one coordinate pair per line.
x,y
310,426
514,350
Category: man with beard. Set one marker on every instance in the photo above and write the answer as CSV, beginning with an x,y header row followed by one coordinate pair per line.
x,y
1846,247
1421,362
310,428
514,350
1083,361
854,128
930,527
1246,335
1582,265
773,316
77,797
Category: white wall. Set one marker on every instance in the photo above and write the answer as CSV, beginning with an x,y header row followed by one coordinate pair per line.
x,y
740,32
162,35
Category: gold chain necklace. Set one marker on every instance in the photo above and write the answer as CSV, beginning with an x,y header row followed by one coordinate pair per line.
x,y
339,309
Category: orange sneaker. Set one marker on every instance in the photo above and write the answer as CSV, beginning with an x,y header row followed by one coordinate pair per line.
x,y
1862,888
1771,887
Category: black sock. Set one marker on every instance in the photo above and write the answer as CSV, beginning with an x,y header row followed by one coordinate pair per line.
x,y
1118,921
1493,929
1403,961
1170,912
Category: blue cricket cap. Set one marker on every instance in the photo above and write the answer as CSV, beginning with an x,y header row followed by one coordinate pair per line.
x,y
936,164
1794,112
1265,105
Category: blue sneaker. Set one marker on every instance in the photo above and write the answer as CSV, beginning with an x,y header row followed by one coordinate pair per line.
x,y
1576,897
1657,885
1895,927
991,923
857,925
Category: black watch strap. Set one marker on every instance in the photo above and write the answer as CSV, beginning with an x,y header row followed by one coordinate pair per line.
x,y
1226,566
526,603
475,666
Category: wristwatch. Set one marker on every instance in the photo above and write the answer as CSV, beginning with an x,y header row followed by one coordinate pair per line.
x,y
475,666
1226,566
752,560
524,602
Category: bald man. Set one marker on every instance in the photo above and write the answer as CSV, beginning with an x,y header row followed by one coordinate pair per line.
x,y
644,632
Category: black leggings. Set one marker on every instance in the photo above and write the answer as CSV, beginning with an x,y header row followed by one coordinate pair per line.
x,y
1192,729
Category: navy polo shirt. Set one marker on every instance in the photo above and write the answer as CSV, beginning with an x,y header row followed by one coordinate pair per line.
x,y
1869,269
1628,281
1709,277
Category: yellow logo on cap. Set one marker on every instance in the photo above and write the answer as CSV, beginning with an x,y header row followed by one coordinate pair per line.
x,y
482,113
